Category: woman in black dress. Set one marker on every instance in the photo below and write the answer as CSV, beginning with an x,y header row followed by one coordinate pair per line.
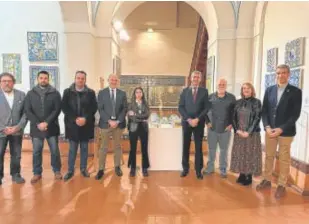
x,y
138,114
246,156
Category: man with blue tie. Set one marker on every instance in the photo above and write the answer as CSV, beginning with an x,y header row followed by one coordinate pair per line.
x,y
281,109
193,107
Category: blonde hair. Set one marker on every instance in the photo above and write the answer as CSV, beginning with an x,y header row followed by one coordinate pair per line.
x,y
250,86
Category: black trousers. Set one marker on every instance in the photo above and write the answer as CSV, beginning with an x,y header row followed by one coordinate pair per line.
x,y
142,134
198,134
15,151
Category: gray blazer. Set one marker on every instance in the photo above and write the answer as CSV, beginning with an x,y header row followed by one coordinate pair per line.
x,y
16,113
105,108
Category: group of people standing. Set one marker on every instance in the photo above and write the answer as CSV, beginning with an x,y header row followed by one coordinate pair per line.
x,y
220,111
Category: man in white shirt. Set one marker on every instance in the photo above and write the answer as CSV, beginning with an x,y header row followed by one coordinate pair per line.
x,y
12,122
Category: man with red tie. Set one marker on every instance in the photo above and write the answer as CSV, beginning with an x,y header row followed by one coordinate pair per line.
x,y
193,107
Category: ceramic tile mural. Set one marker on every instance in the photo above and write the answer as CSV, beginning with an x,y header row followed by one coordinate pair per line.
x,y
272,59
12,64
296,77
294,52
270,80
52,70
160,91
42,46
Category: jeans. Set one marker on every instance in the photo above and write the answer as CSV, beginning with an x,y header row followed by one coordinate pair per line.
x,y
213,139
38,144
73,153
15,151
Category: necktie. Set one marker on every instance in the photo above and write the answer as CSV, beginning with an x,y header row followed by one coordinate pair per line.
x,y
194,94
113,95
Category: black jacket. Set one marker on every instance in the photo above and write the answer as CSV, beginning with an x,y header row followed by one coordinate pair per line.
x,y
139,117
254,106
79,104
285,114
48,110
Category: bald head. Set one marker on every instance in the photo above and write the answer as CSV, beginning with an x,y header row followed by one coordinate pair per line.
x,y
221,86
113,81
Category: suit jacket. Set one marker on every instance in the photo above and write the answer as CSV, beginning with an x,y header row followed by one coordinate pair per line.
x,y
105,107
188,109
284,114
16,113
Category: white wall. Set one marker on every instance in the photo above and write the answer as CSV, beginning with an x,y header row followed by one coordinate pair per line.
x,y
285,21
16,18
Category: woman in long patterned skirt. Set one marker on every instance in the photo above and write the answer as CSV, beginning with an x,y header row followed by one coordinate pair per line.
x,y
246,156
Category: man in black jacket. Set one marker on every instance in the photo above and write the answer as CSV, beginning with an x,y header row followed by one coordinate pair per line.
x,y
281,110
42,107
193,107
79,106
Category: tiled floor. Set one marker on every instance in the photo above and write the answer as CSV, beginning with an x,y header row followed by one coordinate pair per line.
x,y
162,198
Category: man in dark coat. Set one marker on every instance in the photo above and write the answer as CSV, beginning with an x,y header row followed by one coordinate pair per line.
x,y
79,106
42,108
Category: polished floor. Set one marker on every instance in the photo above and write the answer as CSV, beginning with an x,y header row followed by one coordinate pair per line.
x,y
162,198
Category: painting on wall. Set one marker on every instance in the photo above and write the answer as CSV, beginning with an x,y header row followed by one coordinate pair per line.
x,y
272,59
117,65
270,80
296,77
12,64
52,70
42,46
294,52
210,73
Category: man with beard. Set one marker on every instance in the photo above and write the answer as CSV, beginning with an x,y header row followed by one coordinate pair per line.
x,y
42,107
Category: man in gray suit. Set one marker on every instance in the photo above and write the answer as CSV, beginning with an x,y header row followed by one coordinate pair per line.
x,y
112,106
12,123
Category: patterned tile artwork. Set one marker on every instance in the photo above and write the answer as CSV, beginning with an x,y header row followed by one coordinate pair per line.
x,y
12,64
296,77
272,59
270,80
294,52
160,91
53,72
42,46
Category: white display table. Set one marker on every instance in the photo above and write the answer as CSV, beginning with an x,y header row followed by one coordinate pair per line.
x,y
165,148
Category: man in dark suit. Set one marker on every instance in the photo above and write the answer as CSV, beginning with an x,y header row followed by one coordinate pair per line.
x,y
12,123
281,109
112,106
42,107
193,107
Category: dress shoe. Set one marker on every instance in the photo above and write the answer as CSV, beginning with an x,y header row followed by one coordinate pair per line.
x,y
132,172
241,178
99,174
248,180
145,173
68,176
280,192
223,173
58,176
263,185
184,173
85,173
199,175
35,179
118,171
18,179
